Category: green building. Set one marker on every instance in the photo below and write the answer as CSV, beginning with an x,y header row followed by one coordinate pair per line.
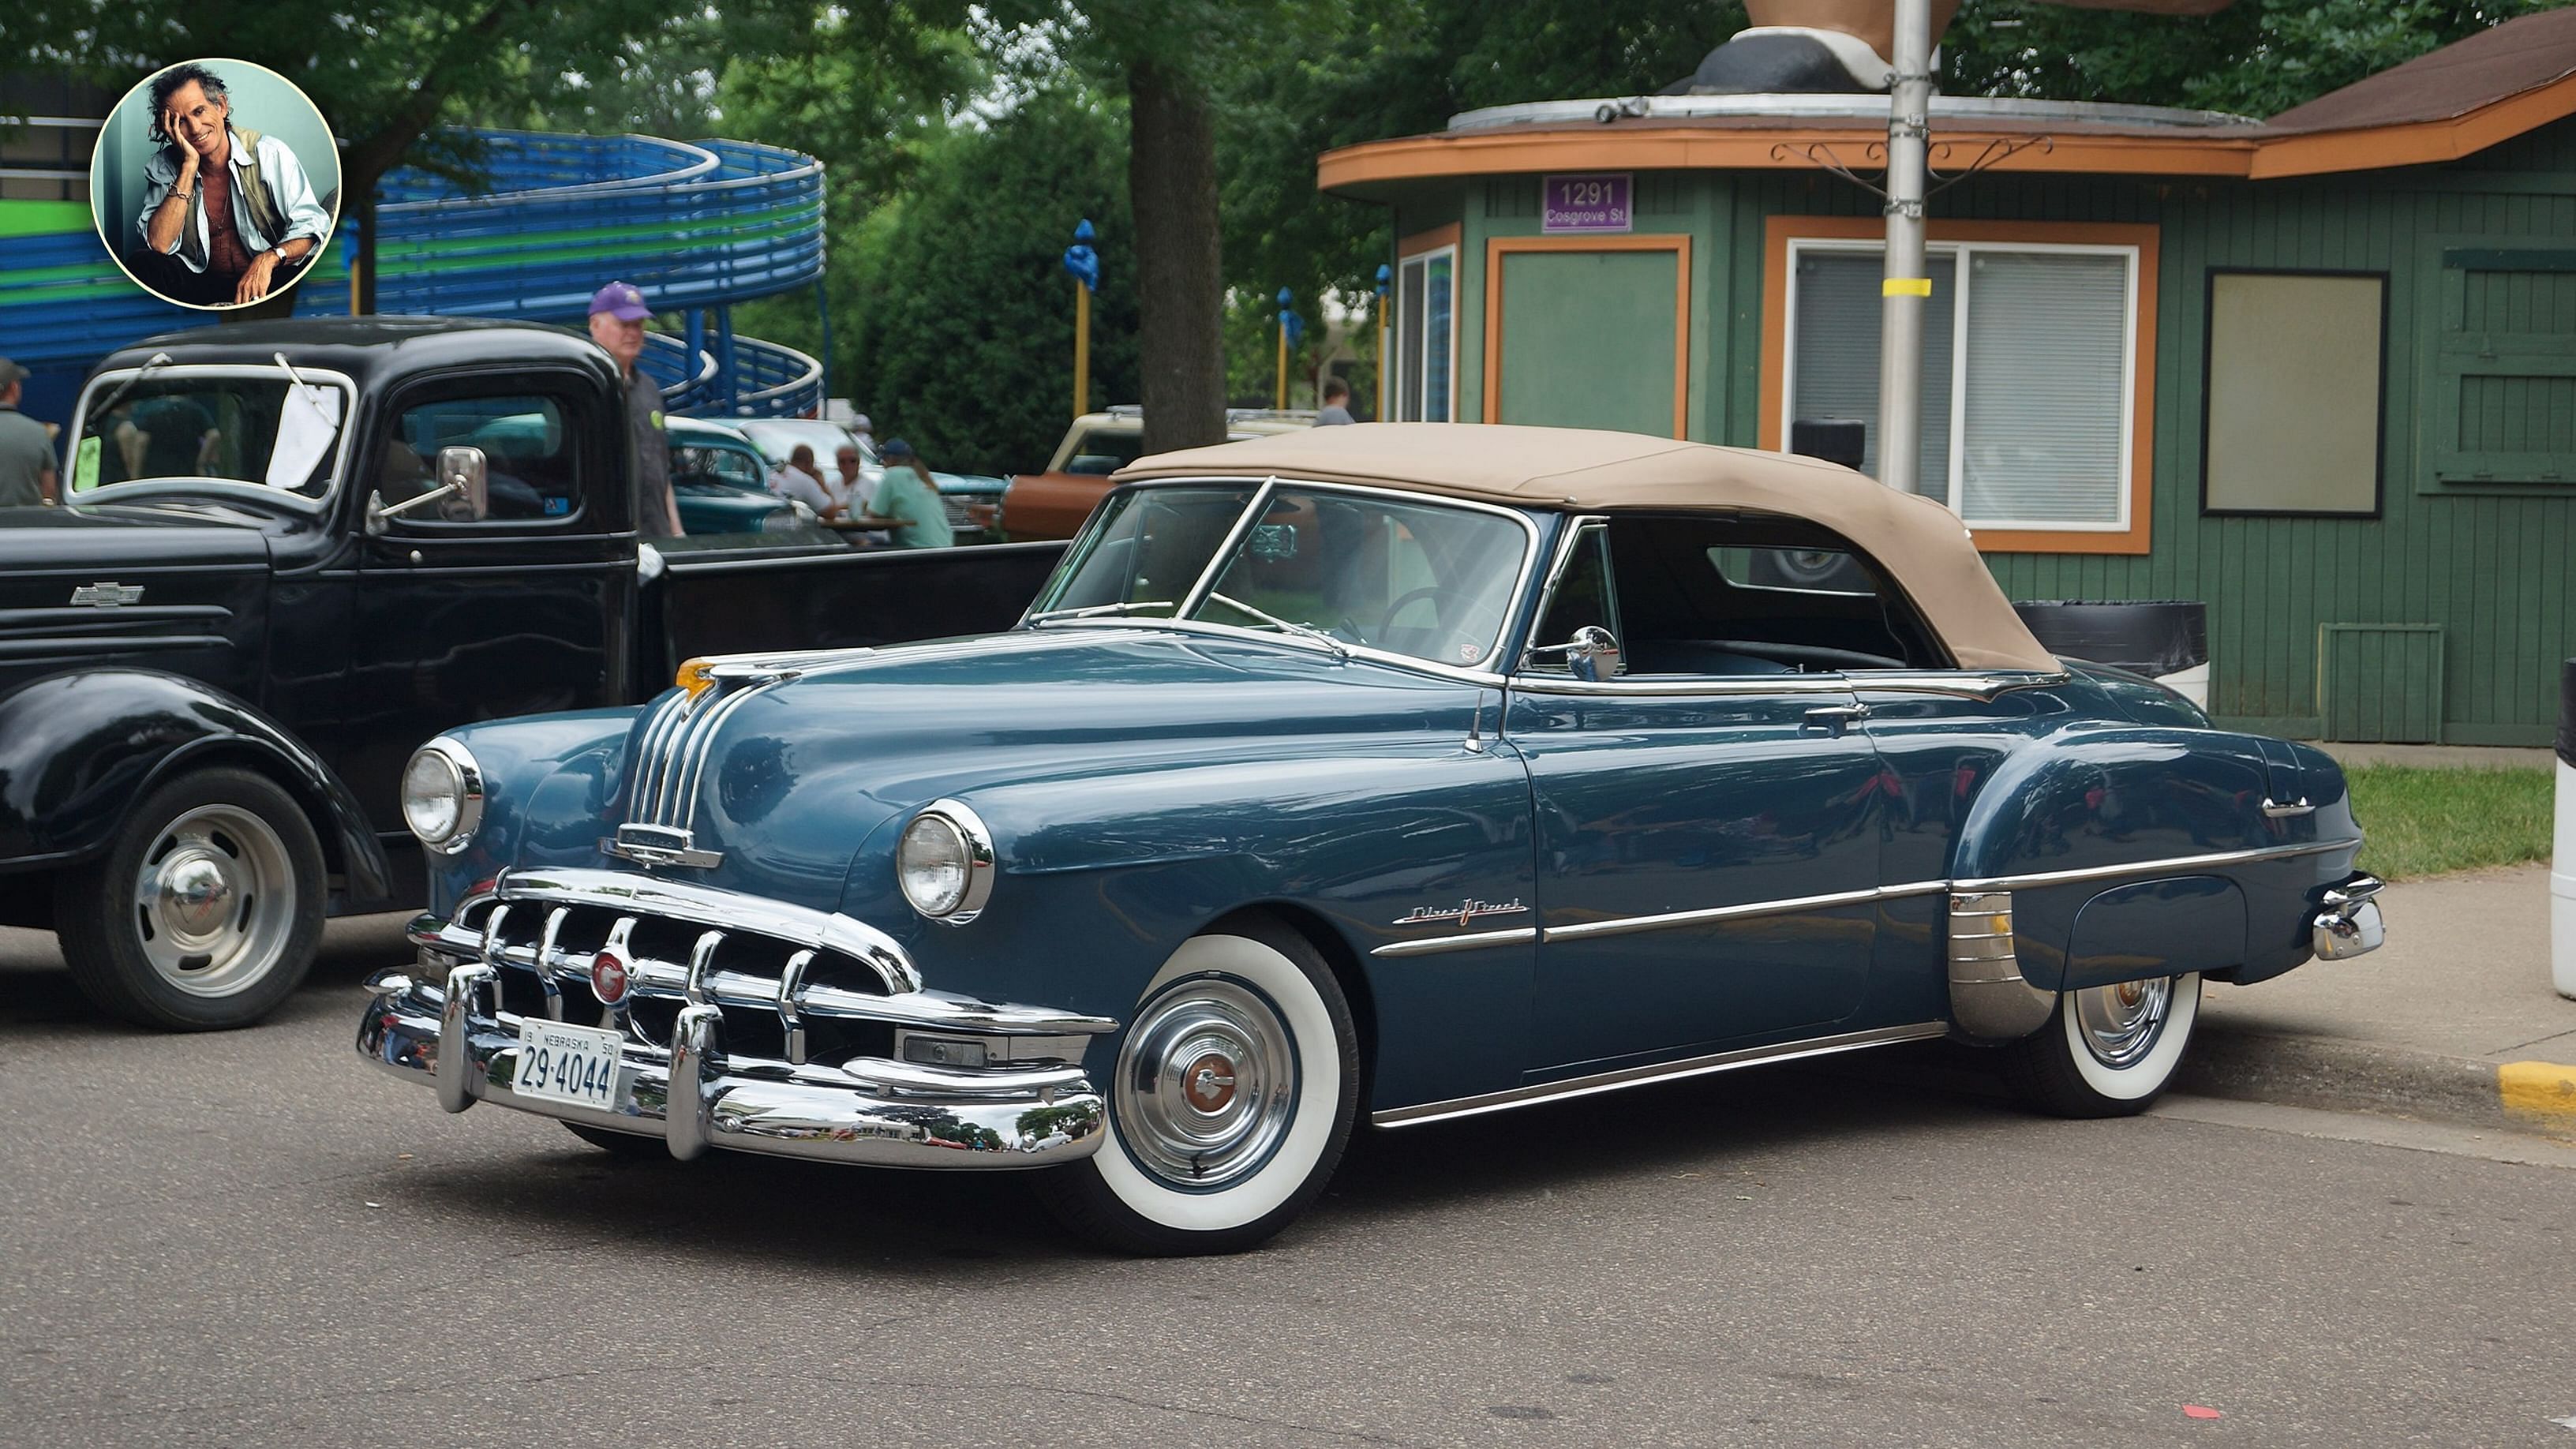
x,y
2319,371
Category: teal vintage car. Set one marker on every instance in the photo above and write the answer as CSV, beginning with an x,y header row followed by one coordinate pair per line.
x,y
1369,775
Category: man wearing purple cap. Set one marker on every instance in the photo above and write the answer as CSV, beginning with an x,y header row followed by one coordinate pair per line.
x,y
617,314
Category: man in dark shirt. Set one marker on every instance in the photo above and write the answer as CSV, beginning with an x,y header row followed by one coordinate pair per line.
x,y
26,450
617,314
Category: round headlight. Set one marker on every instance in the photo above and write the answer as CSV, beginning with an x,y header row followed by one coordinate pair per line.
x,y
442,795
944,863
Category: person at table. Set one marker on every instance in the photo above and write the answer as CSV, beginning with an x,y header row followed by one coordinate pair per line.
x,y
908,501
799,479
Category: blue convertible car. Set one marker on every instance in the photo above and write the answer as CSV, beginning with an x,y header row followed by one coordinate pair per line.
x,y
1382,773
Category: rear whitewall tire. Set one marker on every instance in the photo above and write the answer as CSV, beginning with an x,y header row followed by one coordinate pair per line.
x,y
1236,984
2061,1070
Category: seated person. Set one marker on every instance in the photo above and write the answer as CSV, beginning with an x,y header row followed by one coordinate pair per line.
x,y
908,500
800,479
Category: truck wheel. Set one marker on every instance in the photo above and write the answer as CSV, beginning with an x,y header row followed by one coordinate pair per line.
x,y
2107,1051
205,912
1235,1089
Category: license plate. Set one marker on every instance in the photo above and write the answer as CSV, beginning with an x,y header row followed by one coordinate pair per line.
x,y
575,1064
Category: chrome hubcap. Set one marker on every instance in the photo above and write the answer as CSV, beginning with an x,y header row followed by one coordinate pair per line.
x,y
2121,1023
1207,1084
213,900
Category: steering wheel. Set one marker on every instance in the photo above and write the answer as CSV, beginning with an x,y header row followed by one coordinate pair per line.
x,y
1451,638
1806,653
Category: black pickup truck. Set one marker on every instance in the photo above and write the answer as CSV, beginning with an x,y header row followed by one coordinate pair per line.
x,y
291,552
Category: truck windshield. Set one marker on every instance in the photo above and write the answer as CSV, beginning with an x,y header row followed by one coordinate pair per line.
x,y
179,426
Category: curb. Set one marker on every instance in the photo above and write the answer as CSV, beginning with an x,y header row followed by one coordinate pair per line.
x,y
2358,1076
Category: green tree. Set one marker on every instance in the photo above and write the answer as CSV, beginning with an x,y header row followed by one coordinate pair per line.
x,y
2256,58
961,315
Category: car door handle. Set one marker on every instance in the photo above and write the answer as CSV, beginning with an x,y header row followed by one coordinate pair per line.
x,y
1836,717
2276,810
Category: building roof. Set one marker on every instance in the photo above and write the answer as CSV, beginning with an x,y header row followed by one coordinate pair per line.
x,y
1923,547
2458,100
2485,69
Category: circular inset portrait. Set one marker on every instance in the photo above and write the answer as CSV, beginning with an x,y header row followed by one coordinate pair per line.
x,y
215,183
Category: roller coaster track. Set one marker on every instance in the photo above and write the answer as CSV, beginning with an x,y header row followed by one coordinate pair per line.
x,y
700,226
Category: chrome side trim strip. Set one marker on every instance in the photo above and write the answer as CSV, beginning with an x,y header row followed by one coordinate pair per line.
x,y
1684,684
2148,867
1629,925
1474,941
1659,1072
1971,684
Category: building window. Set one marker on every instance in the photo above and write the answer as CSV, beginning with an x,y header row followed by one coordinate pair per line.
x,y
2293,412
1426,331
2037,344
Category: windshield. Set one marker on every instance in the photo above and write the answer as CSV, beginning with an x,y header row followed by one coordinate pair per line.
x,y
255,429
1425,580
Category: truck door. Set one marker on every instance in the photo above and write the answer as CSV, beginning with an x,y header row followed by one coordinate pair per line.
x,y
525,611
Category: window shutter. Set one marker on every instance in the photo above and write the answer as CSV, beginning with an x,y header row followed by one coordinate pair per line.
x,y
1837,353
2048,341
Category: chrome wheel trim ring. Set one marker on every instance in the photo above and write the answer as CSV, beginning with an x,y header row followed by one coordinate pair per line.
x,y
1206,1086
2121,1023
214,900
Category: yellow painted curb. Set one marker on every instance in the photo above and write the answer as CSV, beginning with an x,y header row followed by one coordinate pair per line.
x,y
2544,1092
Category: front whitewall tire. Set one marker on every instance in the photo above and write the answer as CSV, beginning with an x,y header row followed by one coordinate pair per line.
x,y
1257,1002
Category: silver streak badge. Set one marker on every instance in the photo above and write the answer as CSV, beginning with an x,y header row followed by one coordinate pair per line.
x,y
1461,913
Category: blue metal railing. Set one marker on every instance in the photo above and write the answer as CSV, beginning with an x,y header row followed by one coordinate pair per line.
x,y
697,226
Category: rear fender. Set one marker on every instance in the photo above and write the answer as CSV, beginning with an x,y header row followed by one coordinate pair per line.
x,y
78,750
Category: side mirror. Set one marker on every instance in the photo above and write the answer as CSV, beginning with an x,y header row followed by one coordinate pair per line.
x,y
1592,655
463,494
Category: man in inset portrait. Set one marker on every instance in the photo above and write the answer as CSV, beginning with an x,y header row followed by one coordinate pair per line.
x,y
228,214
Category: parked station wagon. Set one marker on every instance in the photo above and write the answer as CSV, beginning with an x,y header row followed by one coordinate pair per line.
x,y
1383,774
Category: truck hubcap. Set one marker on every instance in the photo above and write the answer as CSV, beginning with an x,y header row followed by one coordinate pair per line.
x,y
2121,1022
1207,1085
212,900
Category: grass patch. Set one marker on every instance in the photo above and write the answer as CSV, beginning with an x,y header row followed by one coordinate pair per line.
x,y
2421,822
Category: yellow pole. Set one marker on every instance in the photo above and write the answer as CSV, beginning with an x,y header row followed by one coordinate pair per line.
x,y
1283,362
1382,414
1081,349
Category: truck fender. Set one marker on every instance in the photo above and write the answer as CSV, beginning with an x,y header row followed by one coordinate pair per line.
x,y
78,750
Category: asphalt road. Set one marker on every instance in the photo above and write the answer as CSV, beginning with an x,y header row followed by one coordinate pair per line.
x,y
249,1238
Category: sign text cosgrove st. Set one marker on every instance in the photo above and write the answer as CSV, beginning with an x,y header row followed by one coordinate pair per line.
x,y
1591,201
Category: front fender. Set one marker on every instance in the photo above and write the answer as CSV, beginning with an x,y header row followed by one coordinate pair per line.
x,y
77,750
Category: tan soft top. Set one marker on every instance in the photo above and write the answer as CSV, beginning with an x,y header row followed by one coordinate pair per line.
x,y
1920,543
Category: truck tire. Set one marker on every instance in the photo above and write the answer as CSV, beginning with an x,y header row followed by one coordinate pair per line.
x,y
205,912
1236,1086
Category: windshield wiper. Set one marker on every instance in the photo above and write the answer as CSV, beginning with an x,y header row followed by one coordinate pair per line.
x,y
157,360
1102,611
1302,631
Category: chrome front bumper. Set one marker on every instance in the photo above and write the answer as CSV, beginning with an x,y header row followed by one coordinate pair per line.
x,y
2349,925
453,1037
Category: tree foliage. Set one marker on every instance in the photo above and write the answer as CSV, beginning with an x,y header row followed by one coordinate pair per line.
x,y
961,314
2255,58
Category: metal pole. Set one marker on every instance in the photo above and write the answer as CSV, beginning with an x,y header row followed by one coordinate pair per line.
x,y
1081,348
1906,286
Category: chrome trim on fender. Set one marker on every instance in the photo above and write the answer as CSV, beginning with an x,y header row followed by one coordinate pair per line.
x,y
1965,685
2143,867
1659,1072
1629,925
1970,684
982,864
1435,945
1989,999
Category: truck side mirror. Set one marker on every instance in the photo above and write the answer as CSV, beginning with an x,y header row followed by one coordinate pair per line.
x,y
464,470
463,494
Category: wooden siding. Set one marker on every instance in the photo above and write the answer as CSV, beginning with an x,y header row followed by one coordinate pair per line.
x,y
2489,565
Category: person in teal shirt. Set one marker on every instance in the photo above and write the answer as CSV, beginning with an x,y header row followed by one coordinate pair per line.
x,y
910,501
